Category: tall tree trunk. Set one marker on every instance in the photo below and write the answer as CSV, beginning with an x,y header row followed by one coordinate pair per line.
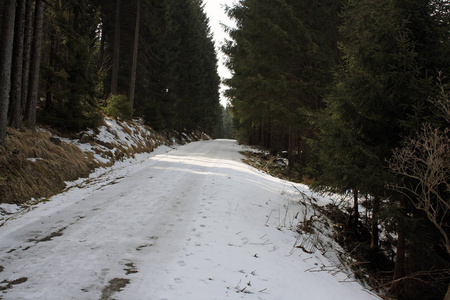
x,y
135,54
375,234
354,217
6,49
290,148
16,80
115,68
33,87
263,132
102,51
28,35
53,37
399,269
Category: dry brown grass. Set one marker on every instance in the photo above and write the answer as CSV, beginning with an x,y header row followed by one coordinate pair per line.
x,y
22,178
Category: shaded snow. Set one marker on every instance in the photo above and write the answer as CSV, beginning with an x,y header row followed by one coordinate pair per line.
x,y
191,223
6,208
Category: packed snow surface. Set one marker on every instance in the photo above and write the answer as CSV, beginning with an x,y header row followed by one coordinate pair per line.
x,y
191,223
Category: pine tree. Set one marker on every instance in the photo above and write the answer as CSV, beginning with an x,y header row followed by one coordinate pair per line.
x,y
155,81
196,86
282,63
385,77
70,68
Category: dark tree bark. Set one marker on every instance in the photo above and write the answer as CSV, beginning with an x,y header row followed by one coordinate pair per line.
x,y
375,233
116,50
16,79
135,54
6,49
355,205
1,15
400,258
102,50
28,36
35,64
354,215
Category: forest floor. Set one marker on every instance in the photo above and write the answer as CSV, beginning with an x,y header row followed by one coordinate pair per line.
x,y
184,222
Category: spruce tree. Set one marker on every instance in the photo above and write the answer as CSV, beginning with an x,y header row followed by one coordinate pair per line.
x,y
377,99
282,63
70,68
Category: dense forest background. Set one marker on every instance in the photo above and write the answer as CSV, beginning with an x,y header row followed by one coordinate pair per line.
x,y
354,94
65,62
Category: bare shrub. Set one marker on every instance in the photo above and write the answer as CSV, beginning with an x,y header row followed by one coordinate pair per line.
x,y
424,163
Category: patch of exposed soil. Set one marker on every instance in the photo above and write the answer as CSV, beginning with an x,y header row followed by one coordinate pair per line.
x,y
115,285
131,268
6,284
50,236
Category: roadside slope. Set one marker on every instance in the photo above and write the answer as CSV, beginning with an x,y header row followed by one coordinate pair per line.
x,y
36,165
193,223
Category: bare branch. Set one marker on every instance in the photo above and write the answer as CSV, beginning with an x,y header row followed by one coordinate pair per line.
x,y
424,163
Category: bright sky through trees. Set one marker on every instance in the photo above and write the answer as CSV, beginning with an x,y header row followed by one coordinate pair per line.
x,y
215,10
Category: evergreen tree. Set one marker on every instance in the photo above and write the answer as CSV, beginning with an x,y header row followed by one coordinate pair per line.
x,y
281,62
378,98
70,68
176,81
155,100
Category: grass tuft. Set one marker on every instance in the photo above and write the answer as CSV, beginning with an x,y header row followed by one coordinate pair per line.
x,y
32,166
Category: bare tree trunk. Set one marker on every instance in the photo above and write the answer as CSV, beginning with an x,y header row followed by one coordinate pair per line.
x,y
6,49
35,64
375,234
290,149
399,269
354,215
53,37
102,51
116,50
135,54
263,132
28,33
16,80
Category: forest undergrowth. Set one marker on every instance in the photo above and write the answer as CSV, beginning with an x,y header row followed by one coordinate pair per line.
x,y
371,266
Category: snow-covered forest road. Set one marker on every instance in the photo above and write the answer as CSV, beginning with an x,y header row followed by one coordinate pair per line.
x,y
192,223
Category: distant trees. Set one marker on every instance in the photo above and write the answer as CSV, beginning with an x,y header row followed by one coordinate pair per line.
x,y
59,67
282,64
176,83
340,85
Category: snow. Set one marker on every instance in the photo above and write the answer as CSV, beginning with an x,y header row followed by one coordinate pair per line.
x,y
33,159
9,208
188,223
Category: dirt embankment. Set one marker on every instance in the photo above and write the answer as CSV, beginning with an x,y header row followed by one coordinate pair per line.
x,y
37,164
